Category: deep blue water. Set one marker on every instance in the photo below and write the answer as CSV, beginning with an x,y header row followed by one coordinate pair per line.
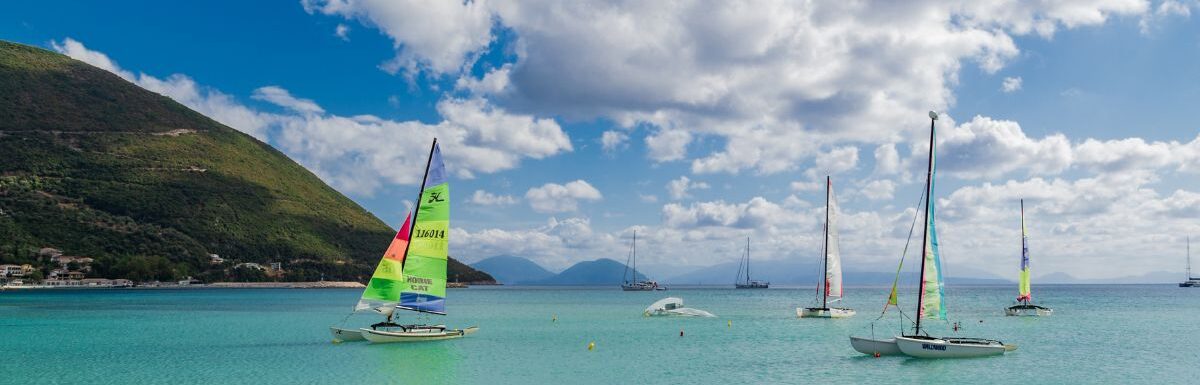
x,y
1098,334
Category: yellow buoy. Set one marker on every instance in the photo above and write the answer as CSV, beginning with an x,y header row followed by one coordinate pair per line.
x,y
729,324
592,345
554,318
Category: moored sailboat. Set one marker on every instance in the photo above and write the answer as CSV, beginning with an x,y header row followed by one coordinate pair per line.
x,y
1191,281
634,283
744,266
831,281
930,295
1025,306
423,263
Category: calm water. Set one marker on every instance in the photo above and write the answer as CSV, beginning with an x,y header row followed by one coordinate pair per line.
x,y
1098,334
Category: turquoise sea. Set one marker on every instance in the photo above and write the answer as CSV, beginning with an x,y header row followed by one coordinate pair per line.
x,y
1098,334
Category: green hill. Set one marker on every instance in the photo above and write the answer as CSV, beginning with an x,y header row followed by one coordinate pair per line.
x,y
96,166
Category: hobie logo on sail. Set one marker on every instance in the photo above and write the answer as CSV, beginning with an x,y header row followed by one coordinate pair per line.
x,y
434,197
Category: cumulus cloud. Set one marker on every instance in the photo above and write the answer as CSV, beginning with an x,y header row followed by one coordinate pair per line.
x,y
484,198
878,190
610,140
678,188
668,145
281,97
988,148
1011,84
342,31
758,213
556,198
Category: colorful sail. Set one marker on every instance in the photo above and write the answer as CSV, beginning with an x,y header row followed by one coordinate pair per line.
x,y
932,292
383,291
425,265
833,256
1025,294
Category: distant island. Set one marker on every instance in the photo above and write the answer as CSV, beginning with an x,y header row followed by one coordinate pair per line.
x,y
101,179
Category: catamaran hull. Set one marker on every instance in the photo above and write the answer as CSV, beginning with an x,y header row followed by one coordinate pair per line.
x,y
833,312
886,347
1015,312
382,336
346,335
950,348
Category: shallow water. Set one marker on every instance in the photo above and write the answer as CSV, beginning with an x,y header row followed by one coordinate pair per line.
x,y
1098,334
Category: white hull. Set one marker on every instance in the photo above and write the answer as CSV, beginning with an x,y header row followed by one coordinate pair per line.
x,y
384,336
345,335
833,312
932,347
884,347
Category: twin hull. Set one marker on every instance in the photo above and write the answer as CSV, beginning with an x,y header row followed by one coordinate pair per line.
x,y
928,347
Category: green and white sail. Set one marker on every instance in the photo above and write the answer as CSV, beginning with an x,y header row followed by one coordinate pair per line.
x,y
1025,294
425,262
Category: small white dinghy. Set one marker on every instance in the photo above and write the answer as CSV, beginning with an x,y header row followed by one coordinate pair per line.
x,y
950,347
827,312
413,333
673,307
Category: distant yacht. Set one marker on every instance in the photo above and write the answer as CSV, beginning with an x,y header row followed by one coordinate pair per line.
x,y
633,283
744,265
1191,281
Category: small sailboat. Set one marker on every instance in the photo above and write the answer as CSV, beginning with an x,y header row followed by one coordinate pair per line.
x,y
1025,306
1191,281
931,292
744,266
673,307
633,283
422,266
831,282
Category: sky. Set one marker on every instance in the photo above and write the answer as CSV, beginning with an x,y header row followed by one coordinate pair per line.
x,y
567,126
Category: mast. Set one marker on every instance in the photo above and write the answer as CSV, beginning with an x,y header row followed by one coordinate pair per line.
x,y
825,249
417,207
748,259
635,278
925,236
1189,258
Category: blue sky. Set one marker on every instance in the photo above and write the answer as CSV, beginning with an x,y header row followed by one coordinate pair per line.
x,y
567,126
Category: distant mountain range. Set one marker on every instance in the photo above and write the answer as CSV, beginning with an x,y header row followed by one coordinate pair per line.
x,y
1151,277
510,270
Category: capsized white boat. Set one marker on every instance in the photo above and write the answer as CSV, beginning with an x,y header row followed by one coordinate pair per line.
x,y
831,282
931,291
673,307
1025,306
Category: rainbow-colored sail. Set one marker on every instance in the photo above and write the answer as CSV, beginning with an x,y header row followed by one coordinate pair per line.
x,y
1025,294
383,291
425,264
932,291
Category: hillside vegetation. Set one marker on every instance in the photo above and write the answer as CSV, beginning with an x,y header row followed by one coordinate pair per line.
x,y
96,166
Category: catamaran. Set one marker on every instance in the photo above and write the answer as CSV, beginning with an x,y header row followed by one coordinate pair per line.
x,y
1025,306
634,283
930,295
1191,281
420,271
831,282
744,265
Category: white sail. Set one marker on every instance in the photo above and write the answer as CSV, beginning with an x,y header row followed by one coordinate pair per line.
x,y
833,256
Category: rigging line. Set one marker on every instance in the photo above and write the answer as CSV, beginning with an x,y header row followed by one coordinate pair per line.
x,y
904,254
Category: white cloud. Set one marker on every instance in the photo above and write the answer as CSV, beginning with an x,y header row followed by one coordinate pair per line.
x,y
1011,84
555,198
887,159
281,97
988,148
835,161
342,31
758,213
441,37
557,244
678,188
611,140
878,190
668,145
484,198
